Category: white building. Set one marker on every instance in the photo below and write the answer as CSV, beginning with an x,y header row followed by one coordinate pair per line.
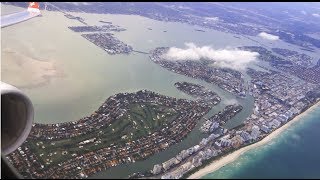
x,y
156,169
255,132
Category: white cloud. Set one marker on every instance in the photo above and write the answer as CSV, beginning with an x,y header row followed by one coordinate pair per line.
x,y
316,15
229,58
267,36
230,102
303,12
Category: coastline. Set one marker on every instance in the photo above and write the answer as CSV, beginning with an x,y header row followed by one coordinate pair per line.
x,y
217,164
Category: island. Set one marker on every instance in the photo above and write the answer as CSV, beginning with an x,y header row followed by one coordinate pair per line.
x,y
294,63
200,30
295,57
103,28
221,118
106,22
108,43
70,16
227,79
199,92
127,127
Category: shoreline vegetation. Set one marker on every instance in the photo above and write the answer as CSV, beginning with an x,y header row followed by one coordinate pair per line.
x,y
212,166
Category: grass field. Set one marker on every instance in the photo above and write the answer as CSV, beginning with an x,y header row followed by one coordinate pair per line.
x,y
142,119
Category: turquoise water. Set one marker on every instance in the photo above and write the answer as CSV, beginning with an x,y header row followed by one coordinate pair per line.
x,y
294,154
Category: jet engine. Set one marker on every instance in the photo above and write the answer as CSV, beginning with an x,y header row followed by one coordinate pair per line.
x,y
16,118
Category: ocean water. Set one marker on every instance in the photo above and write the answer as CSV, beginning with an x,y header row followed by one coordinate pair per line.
x,y
294,154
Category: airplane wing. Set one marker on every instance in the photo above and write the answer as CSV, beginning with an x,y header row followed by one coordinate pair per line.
x,y
10,19
17,109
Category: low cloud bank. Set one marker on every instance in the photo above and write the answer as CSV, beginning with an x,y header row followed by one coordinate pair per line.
x,y
230,102
229,58
267,36
316,15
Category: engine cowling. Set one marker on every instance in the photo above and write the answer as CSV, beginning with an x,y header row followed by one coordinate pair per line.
x,y
16,118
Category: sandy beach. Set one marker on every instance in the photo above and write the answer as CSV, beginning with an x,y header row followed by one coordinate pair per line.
x,y
217,164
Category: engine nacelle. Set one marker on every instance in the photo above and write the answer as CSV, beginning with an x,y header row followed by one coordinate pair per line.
x,y
16,118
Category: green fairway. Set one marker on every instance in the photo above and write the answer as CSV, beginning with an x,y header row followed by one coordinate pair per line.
x,y
140,120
